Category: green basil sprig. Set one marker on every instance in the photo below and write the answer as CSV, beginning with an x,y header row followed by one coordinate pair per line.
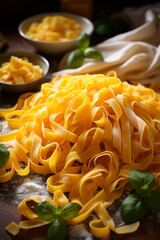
x,y
76,57
56,215
144,200
4,155
58,230
91,52
83,41
142,182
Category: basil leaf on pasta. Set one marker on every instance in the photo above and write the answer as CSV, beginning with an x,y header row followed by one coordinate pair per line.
x,y
70,211
142,182
58,230
4,155
45,211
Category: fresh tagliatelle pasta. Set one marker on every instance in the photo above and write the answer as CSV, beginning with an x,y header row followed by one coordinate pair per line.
x,y
54,28
19,71
86,132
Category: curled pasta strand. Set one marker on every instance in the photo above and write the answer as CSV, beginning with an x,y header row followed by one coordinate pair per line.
x,y
86,132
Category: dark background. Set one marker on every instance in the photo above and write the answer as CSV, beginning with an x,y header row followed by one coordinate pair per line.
x,y
100,12
14,11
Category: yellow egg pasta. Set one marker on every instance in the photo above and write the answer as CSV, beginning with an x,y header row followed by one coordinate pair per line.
x,y
54,28
86,132
19,70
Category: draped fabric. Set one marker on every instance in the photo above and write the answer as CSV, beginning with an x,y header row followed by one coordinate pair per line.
x,y
134,55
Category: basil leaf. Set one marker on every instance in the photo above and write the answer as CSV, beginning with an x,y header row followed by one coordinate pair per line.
x,y
93,53
152,201
70,211
4,155
142,182
75,59
132,209
58,230
45,211
83,41
58,211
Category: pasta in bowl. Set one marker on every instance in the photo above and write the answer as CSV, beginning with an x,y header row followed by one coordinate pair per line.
x,y
54,33
22,71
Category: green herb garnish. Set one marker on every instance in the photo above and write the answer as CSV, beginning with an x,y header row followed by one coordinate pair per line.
x,y
132,209
56,215
76,57
58,230
93,53
144,200
142,182
83,41
4,155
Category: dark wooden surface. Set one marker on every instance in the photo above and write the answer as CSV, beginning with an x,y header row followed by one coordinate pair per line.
x,y
9,213
148,230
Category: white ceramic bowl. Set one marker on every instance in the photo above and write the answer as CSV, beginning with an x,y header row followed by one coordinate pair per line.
x,y
54,48
35,59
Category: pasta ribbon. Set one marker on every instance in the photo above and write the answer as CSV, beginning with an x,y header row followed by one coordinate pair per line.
x,y
86,132
19,71
59,28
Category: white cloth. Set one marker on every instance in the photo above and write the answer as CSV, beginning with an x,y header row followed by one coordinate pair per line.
x,y
134,55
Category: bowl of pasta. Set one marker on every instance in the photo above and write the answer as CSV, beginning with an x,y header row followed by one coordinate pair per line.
x,y
54,33
22,71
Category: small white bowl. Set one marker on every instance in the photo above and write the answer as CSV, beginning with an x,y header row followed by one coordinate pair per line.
x,y
54,48
35,59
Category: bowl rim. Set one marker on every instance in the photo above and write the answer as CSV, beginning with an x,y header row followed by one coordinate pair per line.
x,y
31,54
41,15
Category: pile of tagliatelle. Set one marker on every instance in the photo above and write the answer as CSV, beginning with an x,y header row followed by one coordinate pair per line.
x,y
86,132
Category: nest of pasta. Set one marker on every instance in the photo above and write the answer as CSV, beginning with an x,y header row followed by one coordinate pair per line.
x,y
86,132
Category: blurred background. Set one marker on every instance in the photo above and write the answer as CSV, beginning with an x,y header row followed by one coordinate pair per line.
x,y
99,11
12,12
